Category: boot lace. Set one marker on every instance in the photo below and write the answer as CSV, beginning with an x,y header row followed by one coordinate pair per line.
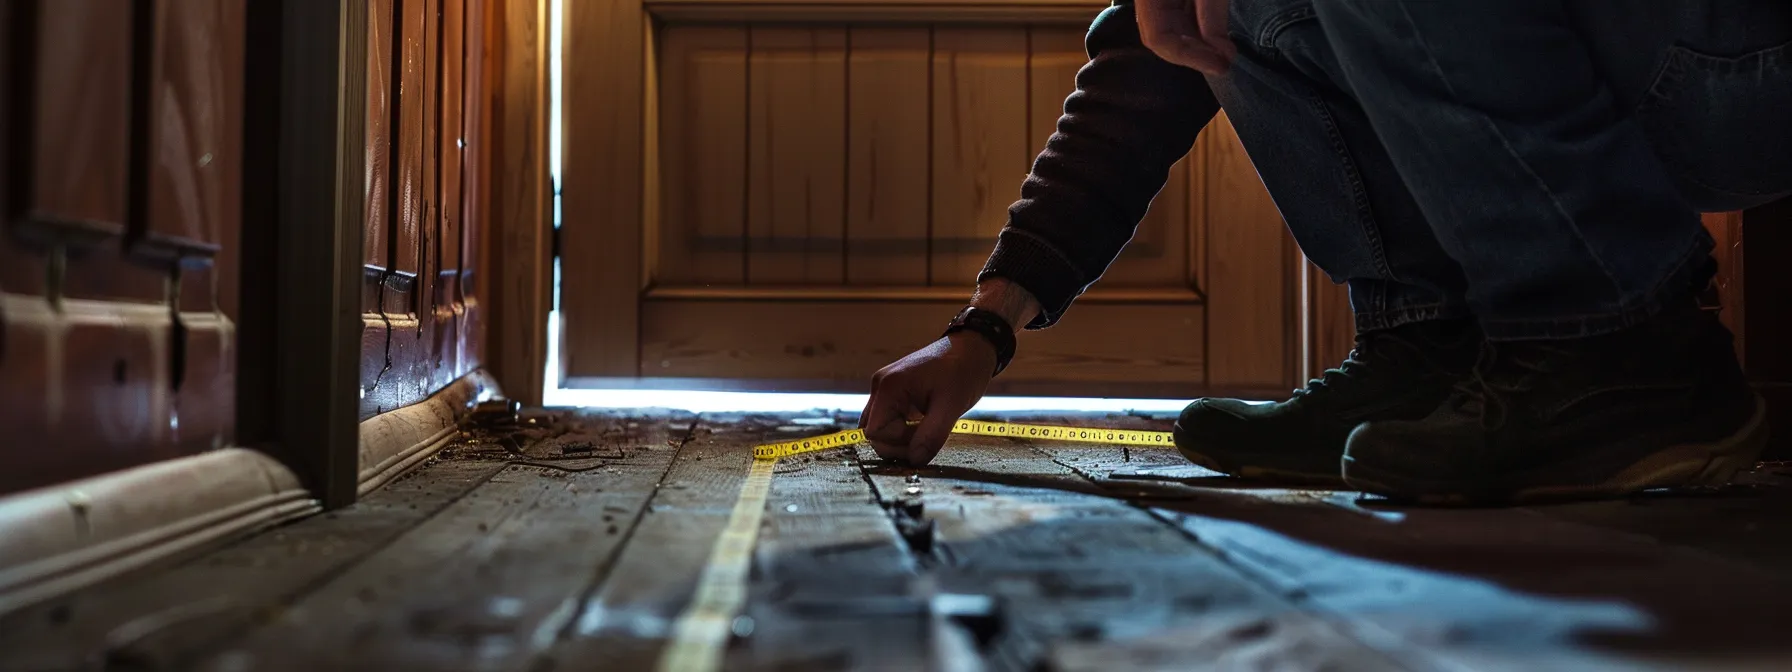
x,y
1503,372
1369,348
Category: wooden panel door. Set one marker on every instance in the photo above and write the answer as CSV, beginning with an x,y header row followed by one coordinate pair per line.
x,y
755,202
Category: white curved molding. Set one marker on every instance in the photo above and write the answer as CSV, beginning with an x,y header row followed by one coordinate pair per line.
x,y
395,441
61,538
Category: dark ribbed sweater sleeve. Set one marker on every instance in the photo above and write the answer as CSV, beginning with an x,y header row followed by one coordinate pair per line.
x,y
1130,118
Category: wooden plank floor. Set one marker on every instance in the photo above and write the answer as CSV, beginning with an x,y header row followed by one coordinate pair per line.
x,y
574,541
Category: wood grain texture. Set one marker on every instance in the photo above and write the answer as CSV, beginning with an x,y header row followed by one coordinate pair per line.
x,y
88,387
510,563
887,167
981,150
381,31
1726,233
940,126
233,589
826,341
451,142
796,130
1076,15
408,186
195,170
1252,339
476,232
1330,326
704,153
411,373
82,112
608,141
519,261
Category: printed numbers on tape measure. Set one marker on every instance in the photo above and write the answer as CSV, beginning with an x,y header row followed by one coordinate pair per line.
x,y
1094,435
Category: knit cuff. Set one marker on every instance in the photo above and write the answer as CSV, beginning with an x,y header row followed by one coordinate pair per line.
x,y
1038,267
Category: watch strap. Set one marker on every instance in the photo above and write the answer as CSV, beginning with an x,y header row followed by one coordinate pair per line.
x,y
992,327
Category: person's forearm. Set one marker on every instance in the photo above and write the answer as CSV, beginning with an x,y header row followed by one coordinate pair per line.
x,y
1013,302
1130,118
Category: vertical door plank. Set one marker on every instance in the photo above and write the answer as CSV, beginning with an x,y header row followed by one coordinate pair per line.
x,y
476,198
887,164
196,129
195,194
704,154
81,147
606,184
1331,327
1249,299
519,260
375,246
796,190
445,280
1195,181
409,188
83,112
980,146
416,359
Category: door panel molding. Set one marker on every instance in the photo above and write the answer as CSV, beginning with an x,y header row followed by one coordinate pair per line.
x,y
687,173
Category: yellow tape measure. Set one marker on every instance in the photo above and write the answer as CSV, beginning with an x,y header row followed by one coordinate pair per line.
x,y
1118,437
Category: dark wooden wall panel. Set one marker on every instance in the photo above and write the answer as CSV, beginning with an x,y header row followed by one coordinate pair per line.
x,y
195,204
476,120
82,111
445,284
420,336
123,208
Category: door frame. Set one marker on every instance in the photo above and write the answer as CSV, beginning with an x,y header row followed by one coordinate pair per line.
x,y
299,327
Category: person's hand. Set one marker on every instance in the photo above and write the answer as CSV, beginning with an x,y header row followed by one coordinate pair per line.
x,y
934,386
1190,33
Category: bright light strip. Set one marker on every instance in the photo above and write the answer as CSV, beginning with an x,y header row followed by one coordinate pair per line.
x,y
778,402
774,402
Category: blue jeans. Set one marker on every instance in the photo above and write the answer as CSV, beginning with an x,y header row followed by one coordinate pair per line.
x,y
1538,165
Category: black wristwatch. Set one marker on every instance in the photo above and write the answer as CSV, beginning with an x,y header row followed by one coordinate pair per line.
x,y
989,325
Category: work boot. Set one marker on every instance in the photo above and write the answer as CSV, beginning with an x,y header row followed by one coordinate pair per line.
x,y
1661,404
1398,373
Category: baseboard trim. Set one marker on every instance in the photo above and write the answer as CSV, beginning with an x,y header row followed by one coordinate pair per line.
x,y
61,538
397,440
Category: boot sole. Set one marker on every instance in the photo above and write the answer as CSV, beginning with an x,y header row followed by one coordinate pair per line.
x,y
1711,464
1262,474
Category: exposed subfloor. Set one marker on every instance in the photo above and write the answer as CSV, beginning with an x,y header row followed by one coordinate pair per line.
x,y
576,542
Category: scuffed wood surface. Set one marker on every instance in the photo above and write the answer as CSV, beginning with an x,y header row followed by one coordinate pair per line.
x,y
1058,557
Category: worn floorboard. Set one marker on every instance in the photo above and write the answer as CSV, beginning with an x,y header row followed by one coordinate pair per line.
x,y
1075,570
161,617
487,583
1573,587
575,542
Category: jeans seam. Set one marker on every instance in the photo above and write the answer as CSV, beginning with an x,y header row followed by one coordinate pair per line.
x,y
1505,143
1273,27
1388,319
1359,194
